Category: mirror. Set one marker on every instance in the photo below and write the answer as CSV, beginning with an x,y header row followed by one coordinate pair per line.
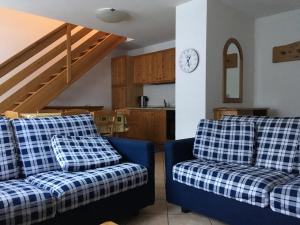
x,y
233,72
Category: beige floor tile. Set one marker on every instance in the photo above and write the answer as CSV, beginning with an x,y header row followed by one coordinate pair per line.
x,y
146,219
188,219
174,209
216,222
160,193
159,207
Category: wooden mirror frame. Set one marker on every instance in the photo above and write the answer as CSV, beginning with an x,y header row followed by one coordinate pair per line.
x,y
238,45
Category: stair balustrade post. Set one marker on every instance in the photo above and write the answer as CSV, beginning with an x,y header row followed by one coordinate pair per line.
x,y
69,54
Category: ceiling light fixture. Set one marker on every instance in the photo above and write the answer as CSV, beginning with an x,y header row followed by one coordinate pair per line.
x,y
111,15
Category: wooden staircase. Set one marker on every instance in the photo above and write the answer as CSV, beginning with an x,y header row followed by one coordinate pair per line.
x,y
75,54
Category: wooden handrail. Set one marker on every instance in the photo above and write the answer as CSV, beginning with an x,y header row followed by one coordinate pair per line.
x,y
15,79
32,49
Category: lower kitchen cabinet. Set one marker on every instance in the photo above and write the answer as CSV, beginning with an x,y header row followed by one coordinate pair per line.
x,y
147,124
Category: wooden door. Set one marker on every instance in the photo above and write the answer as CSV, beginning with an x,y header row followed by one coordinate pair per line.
x,y
169,66
160,126
158,67
119,71
119,97
139,65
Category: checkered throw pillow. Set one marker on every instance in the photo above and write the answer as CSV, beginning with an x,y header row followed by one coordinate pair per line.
x,y
224,141
83,153
34,139
277,141
8,158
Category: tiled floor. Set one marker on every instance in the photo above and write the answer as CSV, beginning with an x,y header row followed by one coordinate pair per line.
x,y
163,213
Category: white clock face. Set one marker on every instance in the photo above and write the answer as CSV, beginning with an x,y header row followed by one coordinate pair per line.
x,y
189,60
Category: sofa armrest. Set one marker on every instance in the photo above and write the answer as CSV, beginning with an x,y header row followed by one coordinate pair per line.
x,y
178,151
140,152
175,152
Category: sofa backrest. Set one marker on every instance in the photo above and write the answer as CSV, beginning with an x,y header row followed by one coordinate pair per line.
x,y
34,135
225,141
277,141
8,157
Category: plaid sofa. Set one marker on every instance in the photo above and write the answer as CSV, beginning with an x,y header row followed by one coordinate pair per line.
x,y
259,185
34,189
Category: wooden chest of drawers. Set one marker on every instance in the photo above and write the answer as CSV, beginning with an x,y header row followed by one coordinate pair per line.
x,y
220,112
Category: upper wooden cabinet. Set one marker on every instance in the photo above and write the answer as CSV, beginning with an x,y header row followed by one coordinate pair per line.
x,y
155,68
124,91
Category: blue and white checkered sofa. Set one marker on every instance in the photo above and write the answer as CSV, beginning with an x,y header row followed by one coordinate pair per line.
x,y
34,188
243,170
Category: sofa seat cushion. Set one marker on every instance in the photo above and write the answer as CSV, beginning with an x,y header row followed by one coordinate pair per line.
x,y
83,153
8,158
23,203
276,141
80,188
243,183
34,139
225,141
285,198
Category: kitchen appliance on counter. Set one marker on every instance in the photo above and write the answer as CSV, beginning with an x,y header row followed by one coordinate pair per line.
x,y
143,101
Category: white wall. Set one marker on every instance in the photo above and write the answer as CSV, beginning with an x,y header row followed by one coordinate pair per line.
x,y
190,88
18,30
277,84
94,88
157,93
224,22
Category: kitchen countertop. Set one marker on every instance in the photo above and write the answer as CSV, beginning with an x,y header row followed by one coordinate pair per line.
x,y
153,108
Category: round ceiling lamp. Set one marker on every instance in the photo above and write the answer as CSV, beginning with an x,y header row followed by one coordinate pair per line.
x,y
111,15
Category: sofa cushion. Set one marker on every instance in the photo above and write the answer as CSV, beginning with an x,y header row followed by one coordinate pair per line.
x,y
22,203
34,139
224,141
276,141
8,158
80,188
83,153
285,198
241,182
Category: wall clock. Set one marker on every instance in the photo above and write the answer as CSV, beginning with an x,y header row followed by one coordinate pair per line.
x,y
189,60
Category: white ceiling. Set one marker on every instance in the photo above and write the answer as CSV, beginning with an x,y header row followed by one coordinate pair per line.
x,y
152,21
261,8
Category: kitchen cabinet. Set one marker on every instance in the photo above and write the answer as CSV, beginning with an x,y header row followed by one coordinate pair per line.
x,y
124,91
155,68
147,124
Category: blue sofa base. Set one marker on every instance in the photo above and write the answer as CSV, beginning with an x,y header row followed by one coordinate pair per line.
x,y
227,210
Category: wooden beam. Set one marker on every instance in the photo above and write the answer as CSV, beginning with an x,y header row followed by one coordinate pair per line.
x,y
69,54
33,49
10,83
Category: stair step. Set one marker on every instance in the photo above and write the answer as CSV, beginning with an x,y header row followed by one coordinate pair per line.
x,y
55,74
44,83
18,103
92,46
84,52
75,59
32,92
101,39
63,68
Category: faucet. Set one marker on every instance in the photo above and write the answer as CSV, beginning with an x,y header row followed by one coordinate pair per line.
x,y
165,103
